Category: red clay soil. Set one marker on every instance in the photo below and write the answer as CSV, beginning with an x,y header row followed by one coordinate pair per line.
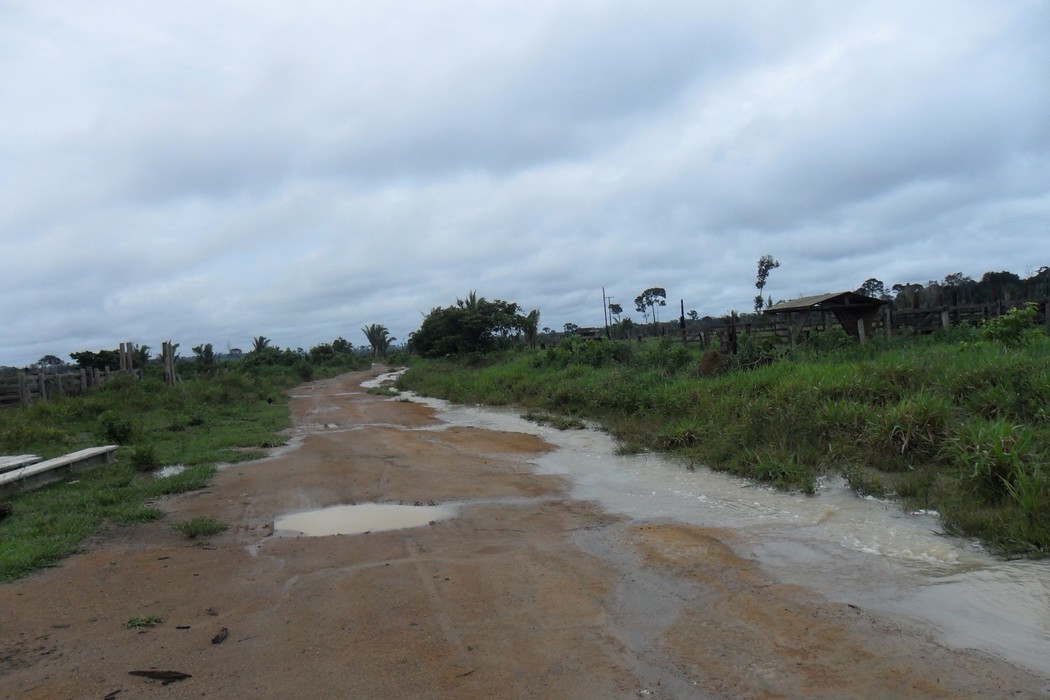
x,y
526,593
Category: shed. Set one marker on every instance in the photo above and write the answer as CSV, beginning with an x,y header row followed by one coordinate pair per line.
x,y
856,313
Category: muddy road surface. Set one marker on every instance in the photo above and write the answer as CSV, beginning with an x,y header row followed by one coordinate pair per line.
x,y
524,593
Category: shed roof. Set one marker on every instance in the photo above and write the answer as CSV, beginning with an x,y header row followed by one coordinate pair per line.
x,y
826,302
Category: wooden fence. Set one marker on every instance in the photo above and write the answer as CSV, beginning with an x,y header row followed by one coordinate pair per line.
x,y
890,321
26,387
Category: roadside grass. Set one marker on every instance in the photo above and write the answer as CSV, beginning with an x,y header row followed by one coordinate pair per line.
x,y
952,422
224,418
201,526
557,421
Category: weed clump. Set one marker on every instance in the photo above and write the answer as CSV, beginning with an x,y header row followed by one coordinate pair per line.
x,y
137,622
200,526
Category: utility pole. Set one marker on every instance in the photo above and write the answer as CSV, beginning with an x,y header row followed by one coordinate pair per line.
x,y
605,313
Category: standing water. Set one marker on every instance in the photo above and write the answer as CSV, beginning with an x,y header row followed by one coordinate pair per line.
x,y
862,551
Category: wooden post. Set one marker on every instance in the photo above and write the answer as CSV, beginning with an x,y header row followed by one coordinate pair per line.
x,y
24,396
860,329
83,381
888,314
681,320
168,359
42,382
946,318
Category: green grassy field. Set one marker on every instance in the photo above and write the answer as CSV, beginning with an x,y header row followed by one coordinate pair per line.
x,y
225,416
957,422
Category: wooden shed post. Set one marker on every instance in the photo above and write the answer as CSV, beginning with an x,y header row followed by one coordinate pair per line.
x,y
860,329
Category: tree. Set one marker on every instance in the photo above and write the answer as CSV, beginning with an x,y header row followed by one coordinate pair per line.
x,y
571,327
342,345
96,360
204,355
50,361
693,315
649,300
615,310
379,338
261,343
471,325
956,279
530,327
624,328
765,264
873,288
141,356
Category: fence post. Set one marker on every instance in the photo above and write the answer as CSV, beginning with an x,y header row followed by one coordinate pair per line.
x,y
23,391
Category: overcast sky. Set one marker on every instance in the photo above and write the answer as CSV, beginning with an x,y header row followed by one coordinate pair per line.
x,y
213,170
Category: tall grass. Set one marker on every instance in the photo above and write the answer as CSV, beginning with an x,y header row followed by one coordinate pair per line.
x,y
952,422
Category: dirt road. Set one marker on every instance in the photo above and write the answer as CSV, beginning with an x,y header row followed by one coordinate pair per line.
x,y
525,594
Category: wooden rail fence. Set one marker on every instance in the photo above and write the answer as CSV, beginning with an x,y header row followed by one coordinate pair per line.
x,y
890,321
26,387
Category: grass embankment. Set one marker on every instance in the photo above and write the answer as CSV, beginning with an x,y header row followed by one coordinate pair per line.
x,y
956,423
229,416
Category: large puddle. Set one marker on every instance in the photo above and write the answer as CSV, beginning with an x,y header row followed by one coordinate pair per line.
x,y
359,519
862,551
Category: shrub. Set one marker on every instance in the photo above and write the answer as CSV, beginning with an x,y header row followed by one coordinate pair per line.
x,y
144,458
1013,328
115,428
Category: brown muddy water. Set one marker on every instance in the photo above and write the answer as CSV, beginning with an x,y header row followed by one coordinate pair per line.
x,y
863,551
358,519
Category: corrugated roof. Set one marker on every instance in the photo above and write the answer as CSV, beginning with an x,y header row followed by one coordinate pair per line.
x,y
824,301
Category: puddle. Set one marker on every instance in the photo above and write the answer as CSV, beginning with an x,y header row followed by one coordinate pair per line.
x,y
861,551
358,519
170,470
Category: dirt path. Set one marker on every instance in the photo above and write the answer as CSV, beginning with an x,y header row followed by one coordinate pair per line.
x,y
526,594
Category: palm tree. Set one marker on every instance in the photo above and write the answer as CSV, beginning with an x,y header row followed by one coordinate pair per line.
x,y
141,355
471,302
261,343
379,338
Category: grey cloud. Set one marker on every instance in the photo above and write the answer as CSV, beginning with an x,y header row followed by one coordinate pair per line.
x,y
211,172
